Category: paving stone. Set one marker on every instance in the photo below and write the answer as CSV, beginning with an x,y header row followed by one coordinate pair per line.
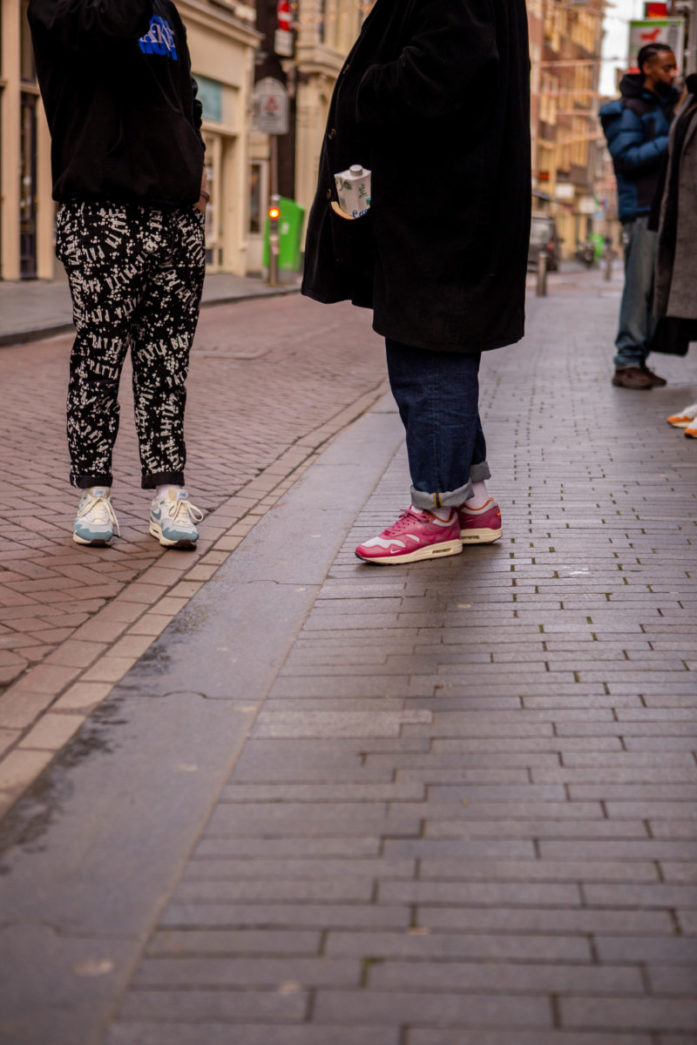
x,y
285,848
537,1037
171,943
259,1034
197,1006
451,946
316,867
499,977
52,732
543,920
442,1009
669,949
246,972
309,820
296,916
340,889
637,1013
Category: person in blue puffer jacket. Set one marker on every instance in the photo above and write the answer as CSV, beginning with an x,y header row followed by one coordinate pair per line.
x,y
636,127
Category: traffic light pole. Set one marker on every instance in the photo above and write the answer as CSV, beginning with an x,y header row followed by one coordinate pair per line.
x,y
274,215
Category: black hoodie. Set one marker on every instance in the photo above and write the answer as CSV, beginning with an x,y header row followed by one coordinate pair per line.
x,y
115,78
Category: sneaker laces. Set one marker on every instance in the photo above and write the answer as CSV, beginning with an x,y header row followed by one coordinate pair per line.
x,y
183,511
407,517
100,510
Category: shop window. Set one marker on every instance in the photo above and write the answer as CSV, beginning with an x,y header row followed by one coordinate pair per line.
x,y
27,67
27,187
256,201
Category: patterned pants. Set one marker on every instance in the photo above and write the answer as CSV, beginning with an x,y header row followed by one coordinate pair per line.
x,y
136,276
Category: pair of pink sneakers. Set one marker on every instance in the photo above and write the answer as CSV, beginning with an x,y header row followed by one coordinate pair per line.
x,y
422,535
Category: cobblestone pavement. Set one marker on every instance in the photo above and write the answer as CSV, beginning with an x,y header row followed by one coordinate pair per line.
x,y
464,813
270,383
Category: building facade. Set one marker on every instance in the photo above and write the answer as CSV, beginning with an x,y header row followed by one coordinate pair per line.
x,y
223,41
26,208
566,42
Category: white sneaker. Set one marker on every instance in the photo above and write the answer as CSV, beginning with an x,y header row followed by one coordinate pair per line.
x,y
173,519
96,520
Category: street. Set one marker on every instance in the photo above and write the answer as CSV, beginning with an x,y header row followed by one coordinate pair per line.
x,y
264,794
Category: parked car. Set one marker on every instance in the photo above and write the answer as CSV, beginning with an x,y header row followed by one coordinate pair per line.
x,y
543,237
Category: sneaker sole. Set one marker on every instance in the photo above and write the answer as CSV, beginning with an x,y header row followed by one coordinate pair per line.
x,y
433,551
690,433
485,536
98,542
681,424
184,542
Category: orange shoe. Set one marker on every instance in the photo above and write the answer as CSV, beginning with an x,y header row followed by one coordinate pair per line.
x,y
682,420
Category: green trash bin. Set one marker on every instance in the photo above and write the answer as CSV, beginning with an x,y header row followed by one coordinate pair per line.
x,y
290,234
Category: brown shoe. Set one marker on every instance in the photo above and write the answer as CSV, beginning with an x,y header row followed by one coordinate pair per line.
x,y
656,381
631,377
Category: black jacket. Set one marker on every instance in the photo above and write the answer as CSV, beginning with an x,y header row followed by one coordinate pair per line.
x,y
115,77
434,99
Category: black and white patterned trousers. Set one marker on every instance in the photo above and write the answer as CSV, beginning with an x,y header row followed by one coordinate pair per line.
x,y
136,276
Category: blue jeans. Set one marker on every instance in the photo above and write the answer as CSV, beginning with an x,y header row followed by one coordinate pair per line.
x,y
637,321
437,394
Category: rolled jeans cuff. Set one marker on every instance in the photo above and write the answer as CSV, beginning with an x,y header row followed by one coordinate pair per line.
x,y
479,473
452,498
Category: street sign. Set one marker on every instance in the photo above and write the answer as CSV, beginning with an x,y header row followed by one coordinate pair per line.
x,y
271,107
655,10
283,37
669,31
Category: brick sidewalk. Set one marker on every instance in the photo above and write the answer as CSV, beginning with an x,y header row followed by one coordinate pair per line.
x,y
270,383
466,811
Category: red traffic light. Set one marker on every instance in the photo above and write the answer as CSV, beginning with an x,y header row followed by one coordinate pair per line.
x,y
274,213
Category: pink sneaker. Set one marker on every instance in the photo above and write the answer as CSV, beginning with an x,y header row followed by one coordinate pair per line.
x,y
480,525
416,535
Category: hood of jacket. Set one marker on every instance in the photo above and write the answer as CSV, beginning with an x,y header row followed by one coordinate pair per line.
x,y
632,86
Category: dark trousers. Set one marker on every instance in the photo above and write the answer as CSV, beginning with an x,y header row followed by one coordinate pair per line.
x,y
437,394
136,276
637,324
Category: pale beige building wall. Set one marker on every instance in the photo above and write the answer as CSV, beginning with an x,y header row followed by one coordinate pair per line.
x,y
11,89
222,45
326,32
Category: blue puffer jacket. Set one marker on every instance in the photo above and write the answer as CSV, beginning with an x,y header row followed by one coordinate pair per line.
x,y
636,127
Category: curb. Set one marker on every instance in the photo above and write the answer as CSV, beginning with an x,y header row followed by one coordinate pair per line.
x,y
25,337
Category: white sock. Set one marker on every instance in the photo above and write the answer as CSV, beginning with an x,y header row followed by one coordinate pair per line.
x,y
161,491
480,496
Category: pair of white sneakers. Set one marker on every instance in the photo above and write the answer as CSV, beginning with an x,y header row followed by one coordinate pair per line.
x,y
687,420
173,519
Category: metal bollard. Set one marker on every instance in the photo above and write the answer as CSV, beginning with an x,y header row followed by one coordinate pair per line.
x,y
541,290
609,258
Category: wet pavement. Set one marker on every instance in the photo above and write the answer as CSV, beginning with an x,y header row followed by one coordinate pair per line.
x,y
450,803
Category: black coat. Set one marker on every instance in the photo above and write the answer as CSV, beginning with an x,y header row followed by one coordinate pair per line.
x,y
434,99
